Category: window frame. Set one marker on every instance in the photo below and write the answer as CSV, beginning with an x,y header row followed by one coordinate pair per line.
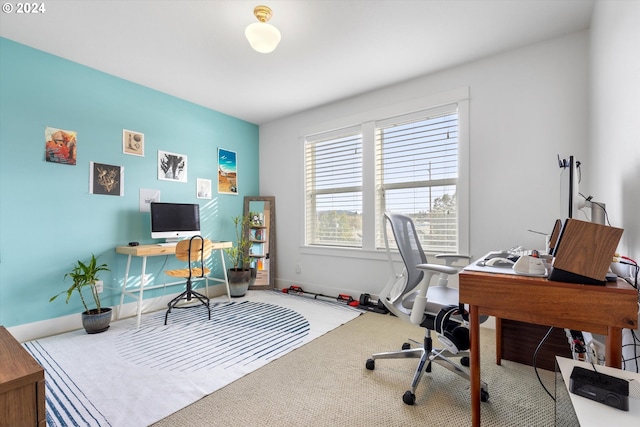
x,y
367,121
383,189
352,135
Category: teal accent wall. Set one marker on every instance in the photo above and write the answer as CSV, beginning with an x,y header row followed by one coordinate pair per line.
x,y
48,218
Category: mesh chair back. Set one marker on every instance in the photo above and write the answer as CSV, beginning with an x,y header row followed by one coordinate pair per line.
x,y
406,237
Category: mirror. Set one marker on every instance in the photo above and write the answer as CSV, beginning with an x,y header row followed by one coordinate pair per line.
x,y
262,233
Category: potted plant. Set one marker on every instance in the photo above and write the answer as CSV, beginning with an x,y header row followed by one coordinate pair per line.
x,y
97,319
240,274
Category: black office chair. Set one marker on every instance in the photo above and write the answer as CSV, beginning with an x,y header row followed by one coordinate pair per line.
x,y
194,251
410,297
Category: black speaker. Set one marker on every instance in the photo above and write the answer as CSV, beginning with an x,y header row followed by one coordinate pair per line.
x,y
453,335
602,388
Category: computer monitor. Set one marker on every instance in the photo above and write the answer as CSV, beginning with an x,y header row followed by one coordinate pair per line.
x,y
174,221
569,187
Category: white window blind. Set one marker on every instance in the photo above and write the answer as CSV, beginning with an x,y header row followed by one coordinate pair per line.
x,y
333,185
417,175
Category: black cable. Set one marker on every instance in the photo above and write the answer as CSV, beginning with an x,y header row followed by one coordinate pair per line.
x,y
598,204
635,275
535,368
636,357
635,343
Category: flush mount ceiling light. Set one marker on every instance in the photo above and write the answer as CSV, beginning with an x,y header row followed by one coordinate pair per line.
x,y
262,37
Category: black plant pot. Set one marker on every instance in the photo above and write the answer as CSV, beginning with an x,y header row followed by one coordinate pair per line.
x,y
94,322
238,281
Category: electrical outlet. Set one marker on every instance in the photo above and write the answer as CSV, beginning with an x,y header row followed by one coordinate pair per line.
x,y
298,268
99,286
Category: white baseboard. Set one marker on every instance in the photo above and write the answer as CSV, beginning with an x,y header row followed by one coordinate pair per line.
x,y
59,325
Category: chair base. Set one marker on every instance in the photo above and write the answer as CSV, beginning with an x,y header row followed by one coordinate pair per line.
x,y
188,295
427,354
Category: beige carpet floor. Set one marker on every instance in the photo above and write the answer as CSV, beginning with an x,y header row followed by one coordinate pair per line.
x,y
325,383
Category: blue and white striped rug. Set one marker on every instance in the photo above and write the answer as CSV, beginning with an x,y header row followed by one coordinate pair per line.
x,y
135,377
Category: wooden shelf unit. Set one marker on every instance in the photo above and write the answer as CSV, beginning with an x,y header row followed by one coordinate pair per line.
x,y
259,236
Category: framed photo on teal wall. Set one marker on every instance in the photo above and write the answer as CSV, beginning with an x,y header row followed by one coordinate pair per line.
x,y
132,143
106,179
60,146
203,187
172,166
227,172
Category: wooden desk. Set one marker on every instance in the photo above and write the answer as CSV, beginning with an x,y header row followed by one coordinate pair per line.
x,y
145,251
599,309
21,385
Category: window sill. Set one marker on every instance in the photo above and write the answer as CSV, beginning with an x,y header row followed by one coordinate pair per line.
x,y
342,252
358,253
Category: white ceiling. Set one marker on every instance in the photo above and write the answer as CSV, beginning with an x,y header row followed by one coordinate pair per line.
x,y
330,50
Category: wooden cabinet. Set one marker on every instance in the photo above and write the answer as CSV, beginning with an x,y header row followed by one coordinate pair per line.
x,y
21,385
518,342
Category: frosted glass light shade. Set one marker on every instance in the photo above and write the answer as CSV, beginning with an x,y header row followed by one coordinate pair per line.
x,y
262,37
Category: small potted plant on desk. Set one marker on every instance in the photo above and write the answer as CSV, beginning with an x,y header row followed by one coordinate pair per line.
x,y
97,319
240,274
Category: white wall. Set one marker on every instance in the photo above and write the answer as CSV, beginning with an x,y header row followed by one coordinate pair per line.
x,y
615,129
615,113
526,106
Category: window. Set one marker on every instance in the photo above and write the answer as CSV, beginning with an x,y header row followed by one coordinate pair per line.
x,y
333,178
408,158
417,175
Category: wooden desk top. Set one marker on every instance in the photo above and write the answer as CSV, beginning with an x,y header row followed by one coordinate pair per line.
x,y
538,300
155,250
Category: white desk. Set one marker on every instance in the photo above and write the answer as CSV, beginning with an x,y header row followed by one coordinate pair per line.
x,y
591,413
145,251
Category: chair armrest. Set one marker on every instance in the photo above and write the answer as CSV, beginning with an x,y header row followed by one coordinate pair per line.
x,y
420,303
438,268
451,258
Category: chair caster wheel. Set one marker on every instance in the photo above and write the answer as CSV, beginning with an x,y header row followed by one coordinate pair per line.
x,y
484,396
464,361
409,398
406,346
371,364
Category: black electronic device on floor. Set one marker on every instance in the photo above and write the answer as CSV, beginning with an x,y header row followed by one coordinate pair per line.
x,y
600,387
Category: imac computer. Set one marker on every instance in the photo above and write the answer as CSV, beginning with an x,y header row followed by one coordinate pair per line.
x,y
174,221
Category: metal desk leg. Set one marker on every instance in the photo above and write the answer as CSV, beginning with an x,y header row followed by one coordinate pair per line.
x,y
224,271
474,332
124,287
143,279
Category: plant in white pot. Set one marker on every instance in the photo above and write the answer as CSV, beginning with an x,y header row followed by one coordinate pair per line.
x,y
97,319
240,274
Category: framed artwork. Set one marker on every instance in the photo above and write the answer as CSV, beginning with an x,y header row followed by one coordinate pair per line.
x,y
60,145
203,188
148,195
172,166
106,179
132,143
227,172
